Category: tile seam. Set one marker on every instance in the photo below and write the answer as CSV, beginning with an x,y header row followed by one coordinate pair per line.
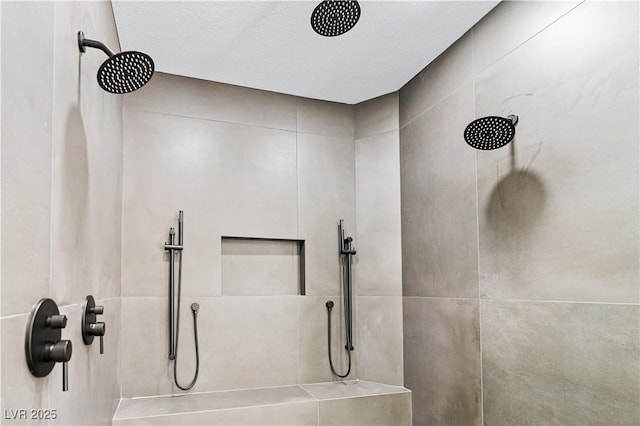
x,y
527,300
528,39
212,120
210,410
438,102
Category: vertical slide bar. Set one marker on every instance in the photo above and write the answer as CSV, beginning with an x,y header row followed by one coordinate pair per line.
x,y
172,346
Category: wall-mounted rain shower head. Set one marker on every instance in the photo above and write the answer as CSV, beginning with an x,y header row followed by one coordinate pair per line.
x,y
334,17
491,132
123,72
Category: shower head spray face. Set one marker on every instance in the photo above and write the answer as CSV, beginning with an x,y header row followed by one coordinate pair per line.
x,y
491,132
123,72
335,17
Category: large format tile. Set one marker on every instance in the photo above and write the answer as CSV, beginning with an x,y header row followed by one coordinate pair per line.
x,y
505,27
169,165
145,367
87,160
190,97
378,115
229,180
438,80
394,409
94,389
559,207
325,118
560,363
20,389
379,344
439,224
244,342
379,268
442,360
313,358
326,194
26,153
253,342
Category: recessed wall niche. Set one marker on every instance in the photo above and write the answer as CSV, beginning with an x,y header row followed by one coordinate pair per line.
x,y
262,266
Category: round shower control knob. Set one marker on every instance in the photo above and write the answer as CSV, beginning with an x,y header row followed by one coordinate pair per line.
x,y
96,329
91,327
57,321
59,351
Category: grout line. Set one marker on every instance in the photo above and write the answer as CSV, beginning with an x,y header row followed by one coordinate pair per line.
x,y
213,410
377,135
439,297
438,102
240,124
534,35
475,157
52,128
119,346
570,302
72,305
6,317
1,210
486,299
235,123
298,176
492,64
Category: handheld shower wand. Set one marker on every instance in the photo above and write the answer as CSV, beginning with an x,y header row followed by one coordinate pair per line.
x,y
346,251
175,296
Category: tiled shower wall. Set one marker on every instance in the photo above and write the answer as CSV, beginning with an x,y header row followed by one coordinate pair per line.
x,y
248,163
61,203
521,265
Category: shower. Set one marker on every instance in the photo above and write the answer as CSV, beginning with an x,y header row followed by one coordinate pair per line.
x,y
122,72
175,296
345,251
335,17
491,132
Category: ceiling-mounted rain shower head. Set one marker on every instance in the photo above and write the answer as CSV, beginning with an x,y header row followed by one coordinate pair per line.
x,y
491,132
334,17
123,72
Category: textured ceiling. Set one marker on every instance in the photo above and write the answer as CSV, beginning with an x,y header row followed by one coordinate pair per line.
x,y
270,45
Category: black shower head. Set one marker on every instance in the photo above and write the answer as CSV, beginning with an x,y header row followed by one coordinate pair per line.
x,y
491,132
334,17
123,72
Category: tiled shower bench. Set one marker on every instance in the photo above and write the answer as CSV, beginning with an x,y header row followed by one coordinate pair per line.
x,y
335,403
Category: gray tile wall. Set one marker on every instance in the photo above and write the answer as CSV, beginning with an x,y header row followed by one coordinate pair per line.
x,y
521,265
269,166
61,202
378,267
